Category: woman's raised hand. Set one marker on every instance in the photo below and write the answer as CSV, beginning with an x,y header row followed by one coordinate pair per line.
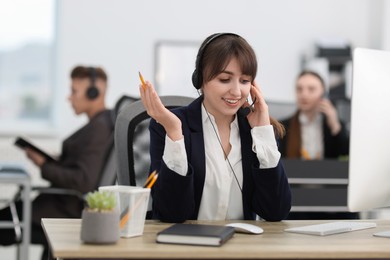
x,y
156,109
332,119
259,115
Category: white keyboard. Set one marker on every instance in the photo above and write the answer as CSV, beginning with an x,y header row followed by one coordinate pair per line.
x,y
382,234
331,228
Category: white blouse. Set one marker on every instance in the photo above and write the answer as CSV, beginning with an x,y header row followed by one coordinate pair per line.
x,y
312,137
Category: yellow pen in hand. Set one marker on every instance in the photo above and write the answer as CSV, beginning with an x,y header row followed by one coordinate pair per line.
x,y
142,80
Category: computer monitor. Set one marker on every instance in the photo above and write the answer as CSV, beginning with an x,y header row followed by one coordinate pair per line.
x,y
369,158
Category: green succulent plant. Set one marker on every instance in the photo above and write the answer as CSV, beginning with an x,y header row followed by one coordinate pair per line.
x,y
101,201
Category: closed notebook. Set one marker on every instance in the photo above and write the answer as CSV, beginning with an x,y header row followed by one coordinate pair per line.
x,y
194,234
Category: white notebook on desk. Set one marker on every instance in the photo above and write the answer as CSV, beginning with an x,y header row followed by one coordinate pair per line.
x,y
331,228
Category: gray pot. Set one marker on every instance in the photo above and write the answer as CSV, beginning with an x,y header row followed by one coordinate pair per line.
x,y
99,227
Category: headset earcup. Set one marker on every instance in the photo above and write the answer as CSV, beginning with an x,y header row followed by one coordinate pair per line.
x,y
92,92
195,79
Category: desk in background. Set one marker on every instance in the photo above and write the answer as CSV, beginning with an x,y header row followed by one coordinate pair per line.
x,y
17,175
64,239
317,185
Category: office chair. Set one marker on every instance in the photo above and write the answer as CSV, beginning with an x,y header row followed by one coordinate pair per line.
x,y
132,140
122,102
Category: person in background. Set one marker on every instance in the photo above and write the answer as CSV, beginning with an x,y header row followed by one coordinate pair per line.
x,y
81,160
314,132
217,158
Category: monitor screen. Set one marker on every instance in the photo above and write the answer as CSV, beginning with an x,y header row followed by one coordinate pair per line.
x,y
369,158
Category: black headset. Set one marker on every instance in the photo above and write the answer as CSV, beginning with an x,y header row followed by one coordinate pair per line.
x,y
92,91
197,77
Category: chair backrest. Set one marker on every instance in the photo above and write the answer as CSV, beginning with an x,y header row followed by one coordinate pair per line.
x,y
108,173
122,102
132,140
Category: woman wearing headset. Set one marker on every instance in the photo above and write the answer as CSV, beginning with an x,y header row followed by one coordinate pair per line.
x,y
214,162
314,131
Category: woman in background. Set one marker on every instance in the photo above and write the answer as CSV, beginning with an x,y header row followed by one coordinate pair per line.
x,y
314,132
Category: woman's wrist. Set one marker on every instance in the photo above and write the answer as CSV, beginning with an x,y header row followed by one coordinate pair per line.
x,y
174,132
336,128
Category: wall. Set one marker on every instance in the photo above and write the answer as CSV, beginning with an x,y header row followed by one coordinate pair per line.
x,y
386,26
120,35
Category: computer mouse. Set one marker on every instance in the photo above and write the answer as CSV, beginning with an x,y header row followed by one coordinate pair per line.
x,y
246,228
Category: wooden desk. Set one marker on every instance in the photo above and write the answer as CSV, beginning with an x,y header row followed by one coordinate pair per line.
x,y
64,240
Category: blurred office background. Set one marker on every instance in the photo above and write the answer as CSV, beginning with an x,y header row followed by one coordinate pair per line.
x,y
41,40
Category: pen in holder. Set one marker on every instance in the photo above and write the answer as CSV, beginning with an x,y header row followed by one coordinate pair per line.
x,y
132,205
128,212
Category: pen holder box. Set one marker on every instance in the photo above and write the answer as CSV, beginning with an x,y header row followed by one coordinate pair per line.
x,y
132,205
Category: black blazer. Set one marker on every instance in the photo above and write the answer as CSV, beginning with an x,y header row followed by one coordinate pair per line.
x,y
177,198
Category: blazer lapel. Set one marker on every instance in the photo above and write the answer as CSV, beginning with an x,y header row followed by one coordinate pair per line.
x,y
197,154
248,159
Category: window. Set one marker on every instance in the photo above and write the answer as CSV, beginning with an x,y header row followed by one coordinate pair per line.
x,y
26,57
175,62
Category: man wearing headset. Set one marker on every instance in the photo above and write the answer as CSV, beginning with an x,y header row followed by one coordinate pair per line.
x,y
81,160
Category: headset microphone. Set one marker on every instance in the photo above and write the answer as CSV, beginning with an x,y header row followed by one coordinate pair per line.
x,y
244,111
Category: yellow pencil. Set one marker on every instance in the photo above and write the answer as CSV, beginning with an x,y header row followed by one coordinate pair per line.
x,y
142,80
124,219
149,178
151,183
127,214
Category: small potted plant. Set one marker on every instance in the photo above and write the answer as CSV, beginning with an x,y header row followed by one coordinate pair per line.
x,y
100,219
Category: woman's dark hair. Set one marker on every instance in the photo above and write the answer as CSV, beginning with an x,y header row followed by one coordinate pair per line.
x,y
221,50
217,56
